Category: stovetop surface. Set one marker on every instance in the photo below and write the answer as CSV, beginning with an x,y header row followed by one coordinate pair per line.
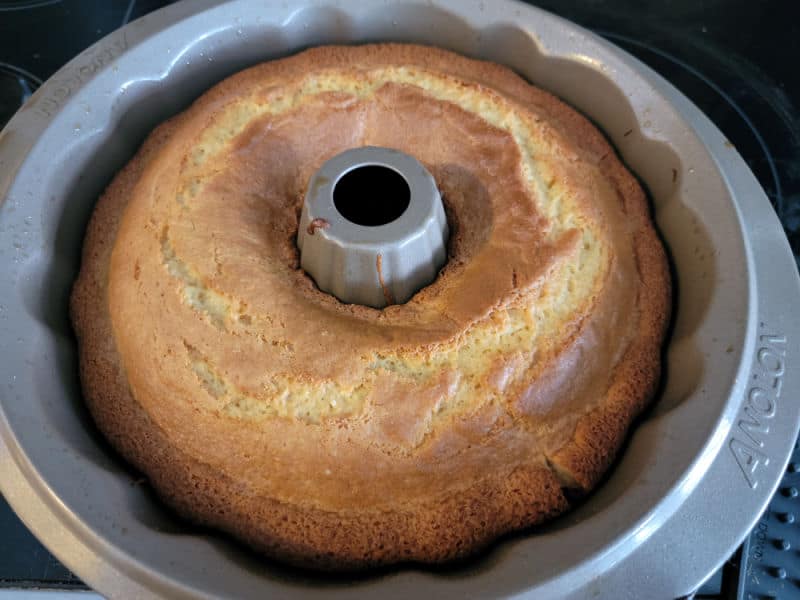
x,y
736,59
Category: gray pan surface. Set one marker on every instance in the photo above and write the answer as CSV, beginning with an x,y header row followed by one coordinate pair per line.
x,y
699,468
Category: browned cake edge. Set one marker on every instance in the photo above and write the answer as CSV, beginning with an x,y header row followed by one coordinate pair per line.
x,y
432,531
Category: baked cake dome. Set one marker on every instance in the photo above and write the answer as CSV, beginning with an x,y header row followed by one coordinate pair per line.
x,y
341,436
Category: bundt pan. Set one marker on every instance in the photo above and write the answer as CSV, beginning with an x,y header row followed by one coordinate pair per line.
x,y
697,471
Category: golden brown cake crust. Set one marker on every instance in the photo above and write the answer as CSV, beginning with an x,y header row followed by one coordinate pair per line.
x,y
554,433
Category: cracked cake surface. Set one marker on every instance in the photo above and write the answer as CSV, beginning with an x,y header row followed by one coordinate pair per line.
x,y
340,436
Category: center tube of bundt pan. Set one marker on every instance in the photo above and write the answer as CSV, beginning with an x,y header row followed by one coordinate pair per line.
x,y
373,229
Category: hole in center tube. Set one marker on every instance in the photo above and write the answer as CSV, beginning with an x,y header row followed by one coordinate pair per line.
x,y
371,195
